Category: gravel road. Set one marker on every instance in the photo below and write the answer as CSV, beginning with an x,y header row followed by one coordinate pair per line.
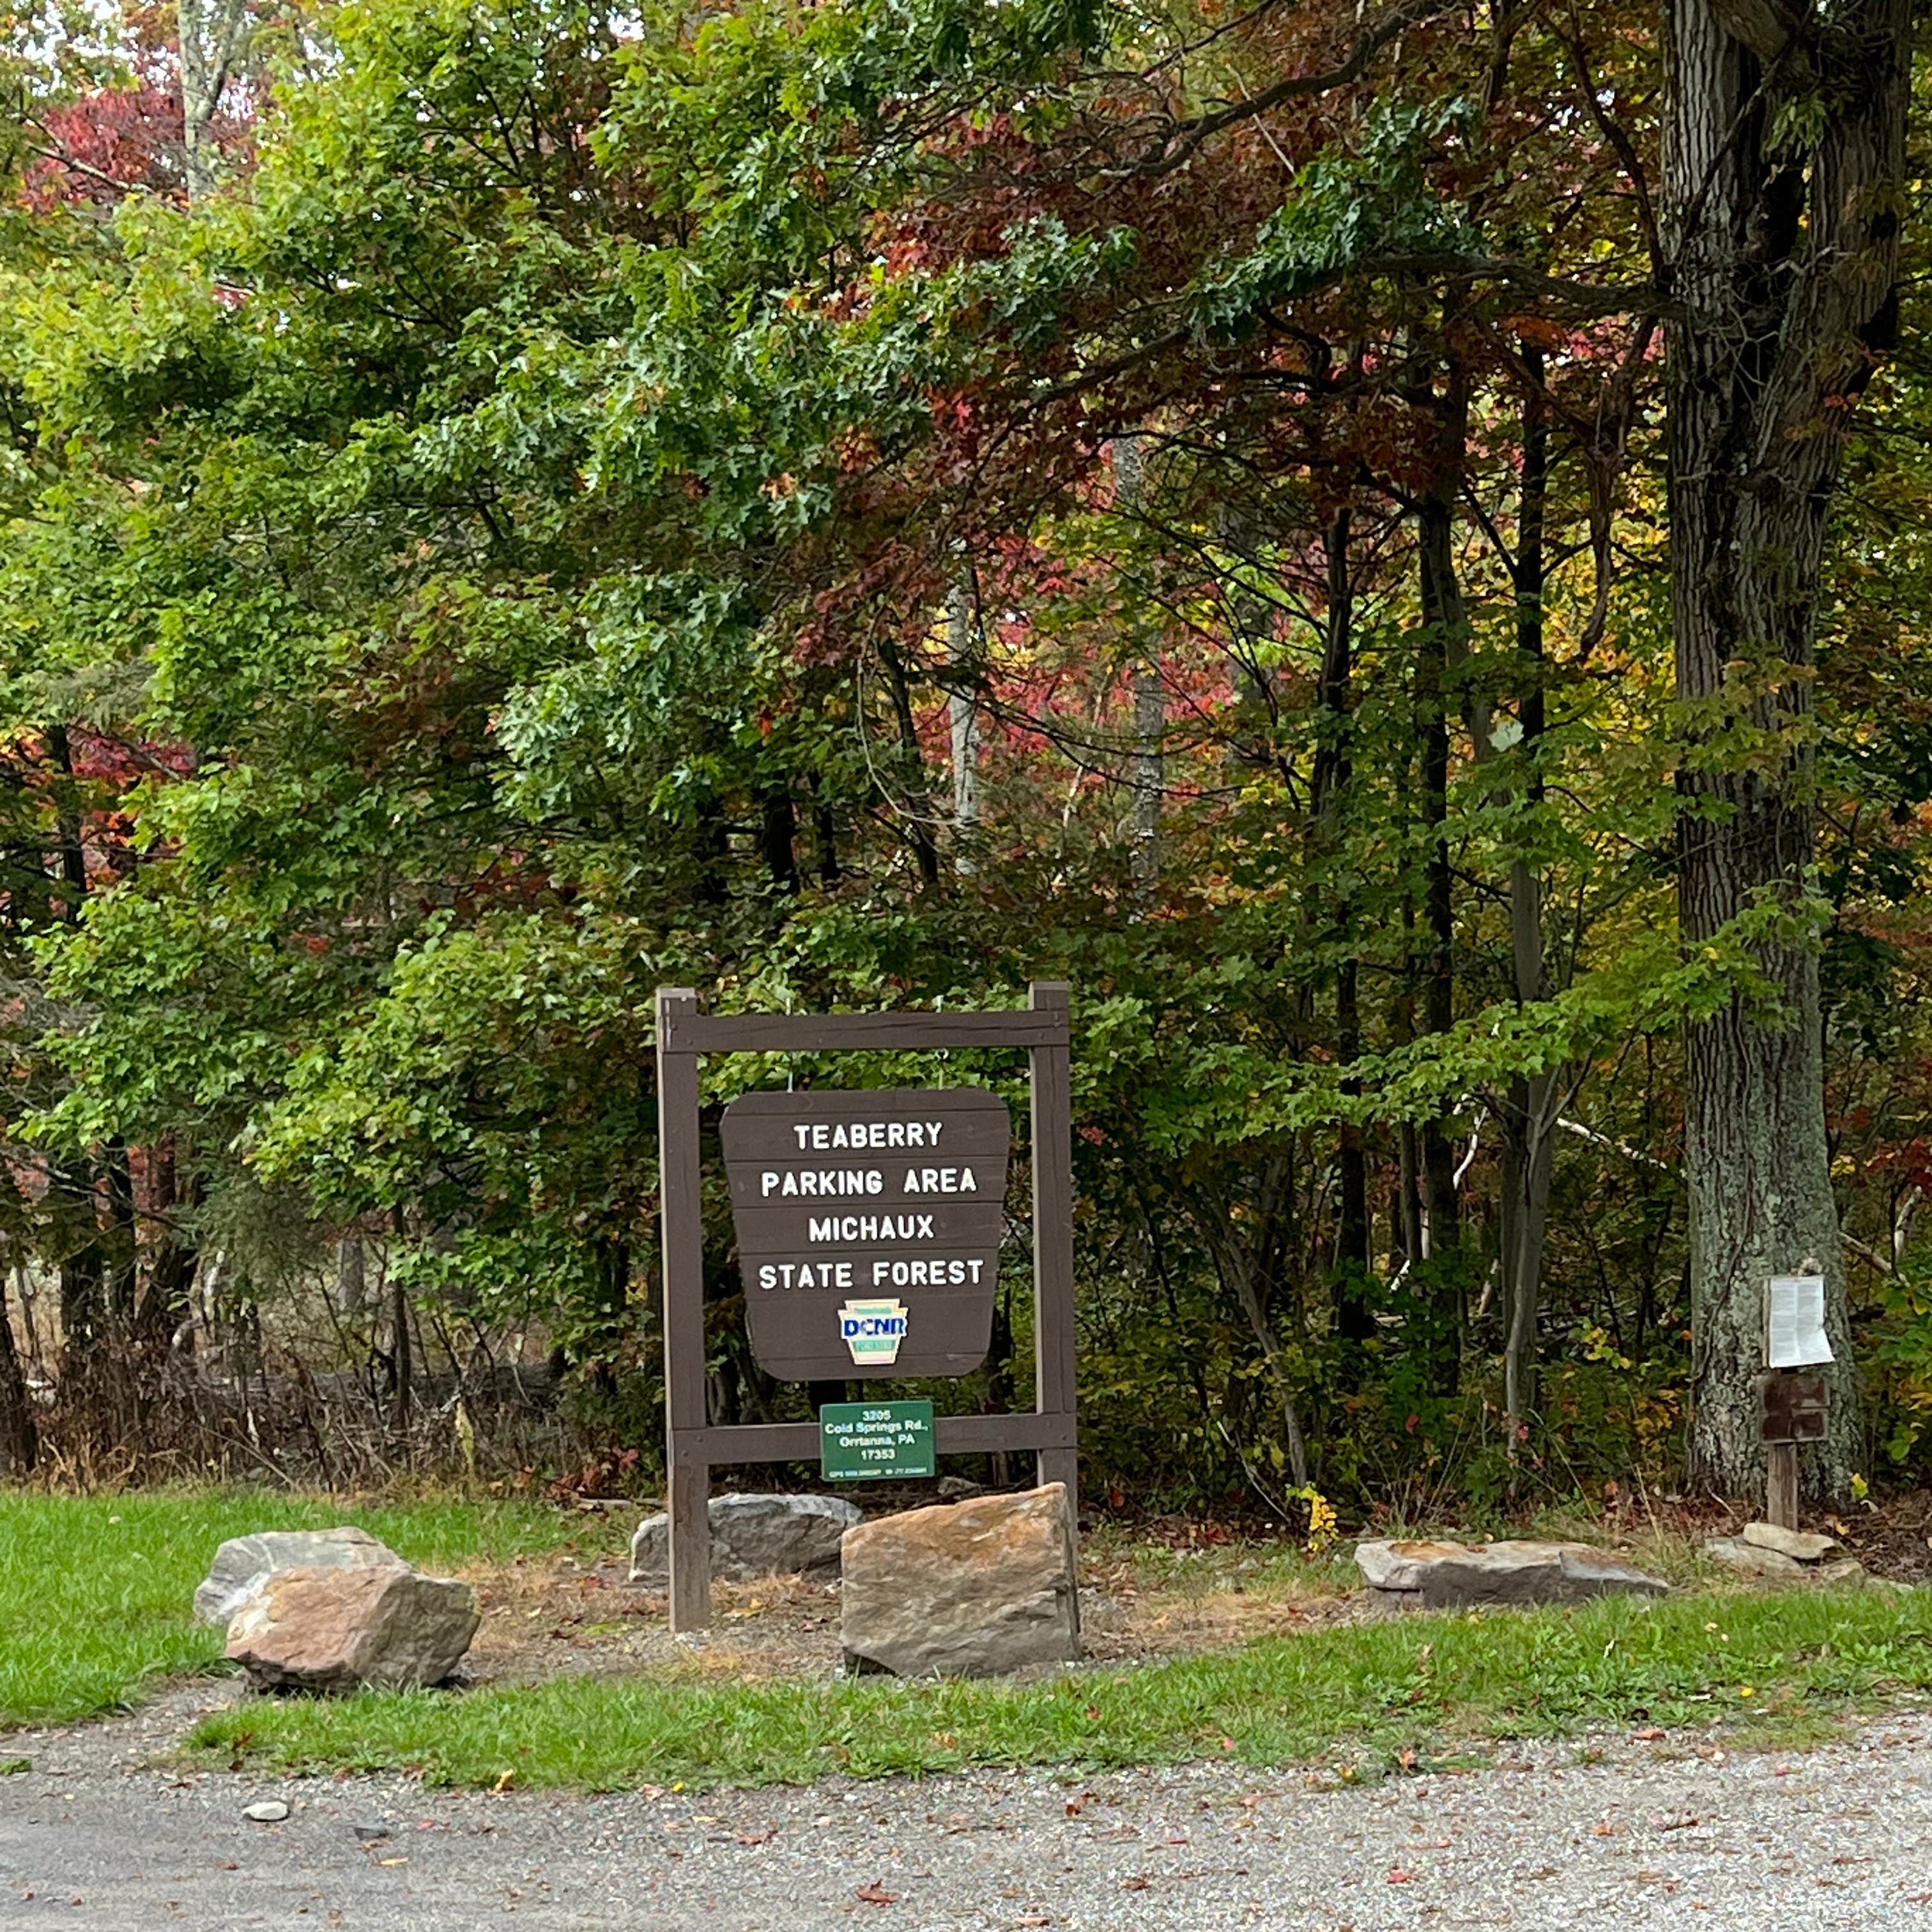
x,y
1664,1834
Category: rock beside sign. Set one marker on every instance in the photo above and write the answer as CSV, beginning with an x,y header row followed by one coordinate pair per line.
x,y
243,1563
970,1589
754,1536
1790,1555
1800,1545
1430,1575
339,1631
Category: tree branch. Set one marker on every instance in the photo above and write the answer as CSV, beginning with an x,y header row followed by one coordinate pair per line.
x,y
1178,143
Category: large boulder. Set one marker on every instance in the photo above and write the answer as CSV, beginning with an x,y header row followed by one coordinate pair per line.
x,y
754,1536
968,1589
243,1563
1431,1575
342,1630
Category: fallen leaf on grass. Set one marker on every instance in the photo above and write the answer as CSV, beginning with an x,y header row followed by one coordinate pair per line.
x,y
875,1894
503,1784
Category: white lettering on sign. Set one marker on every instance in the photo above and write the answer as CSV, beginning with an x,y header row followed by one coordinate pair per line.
x,y
805,1274
817,1136
953,1273
940,1180
871,1228
822,1181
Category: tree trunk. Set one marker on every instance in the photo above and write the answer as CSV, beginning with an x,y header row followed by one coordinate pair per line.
x,y
83,1308
1334,769
1785,248
917,806
777,838
1149,759
962,718
214,37
401,1374
19,1435
1529,1114
1444,632
123,1238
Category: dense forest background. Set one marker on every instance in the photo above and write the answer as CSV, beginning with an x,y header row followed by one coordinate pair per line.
x,y
508,505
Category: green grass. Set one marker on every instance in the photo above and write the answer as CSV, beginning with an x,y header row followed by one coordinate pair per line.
x,y
1360,1696
96,1591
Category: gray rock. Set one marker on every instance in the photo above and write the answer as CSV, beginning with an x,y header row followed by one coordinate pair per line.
x,y
1749,1559
266,1811
338,1630
754,1536
1433,1575
968,1589
1800,1545
243,1563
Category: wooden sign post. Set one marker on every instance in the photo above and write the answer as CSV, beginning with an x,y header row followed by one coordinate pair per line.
x,y
868,1224
1795,1407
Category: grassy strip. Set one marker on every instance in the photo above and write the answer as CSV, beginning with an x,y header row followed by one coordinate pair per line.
x,y
95,1591
1369,1692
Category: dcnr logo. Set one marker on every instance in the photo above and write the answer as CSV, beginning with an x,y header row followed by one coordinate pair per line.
x,y
872,1330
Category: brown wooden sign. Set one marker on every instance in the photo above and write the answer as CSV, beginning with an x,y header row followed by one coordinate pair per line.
x,y
863,1197
1797,1408
869,1226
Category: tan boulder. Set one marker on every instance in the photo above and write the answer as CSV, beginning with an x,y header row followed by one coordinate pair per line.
x,y
970,1589
243,1563
340,1630
1800,1545
1427,1575
1752,1559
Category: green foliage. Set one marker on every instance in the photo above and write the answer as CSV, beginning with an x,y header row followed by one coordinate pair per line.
x,y
517,543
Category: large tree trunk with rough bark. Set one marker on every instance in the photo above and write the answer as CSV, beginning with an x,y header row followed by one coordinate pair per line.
x,y
1784,160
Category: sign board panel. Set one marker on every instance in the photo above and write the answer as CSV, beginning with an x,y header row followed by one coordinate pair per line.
x,y
1794,1322
1797,1408
868,1224
860,1440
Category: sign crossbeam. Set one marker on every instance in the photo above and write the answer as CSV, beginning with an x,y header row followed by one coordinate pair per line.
x,y
694,1445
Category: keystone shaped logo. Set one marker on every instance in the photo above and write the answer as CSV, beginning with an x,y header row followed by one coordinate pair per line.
x,y
873,1331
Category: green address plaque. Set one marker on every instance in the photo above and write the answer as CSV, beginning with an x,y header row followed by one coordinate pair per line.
x,y
858,1441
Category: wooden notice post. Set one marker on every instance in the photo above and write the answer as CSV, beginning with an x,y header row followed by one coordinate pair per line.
x,y
868,1229
1796,1407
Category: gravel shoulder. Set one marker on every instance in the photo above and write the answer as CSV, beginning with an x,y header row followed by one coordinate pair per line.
x,y
1672,1832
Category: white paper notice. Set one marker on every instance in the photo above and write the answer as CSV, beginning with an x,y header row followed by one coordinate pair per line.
x,y
1794,1321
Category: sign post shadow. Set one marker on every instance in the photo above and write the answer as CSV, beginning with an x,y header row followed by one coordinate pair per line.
x,y
693,1446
